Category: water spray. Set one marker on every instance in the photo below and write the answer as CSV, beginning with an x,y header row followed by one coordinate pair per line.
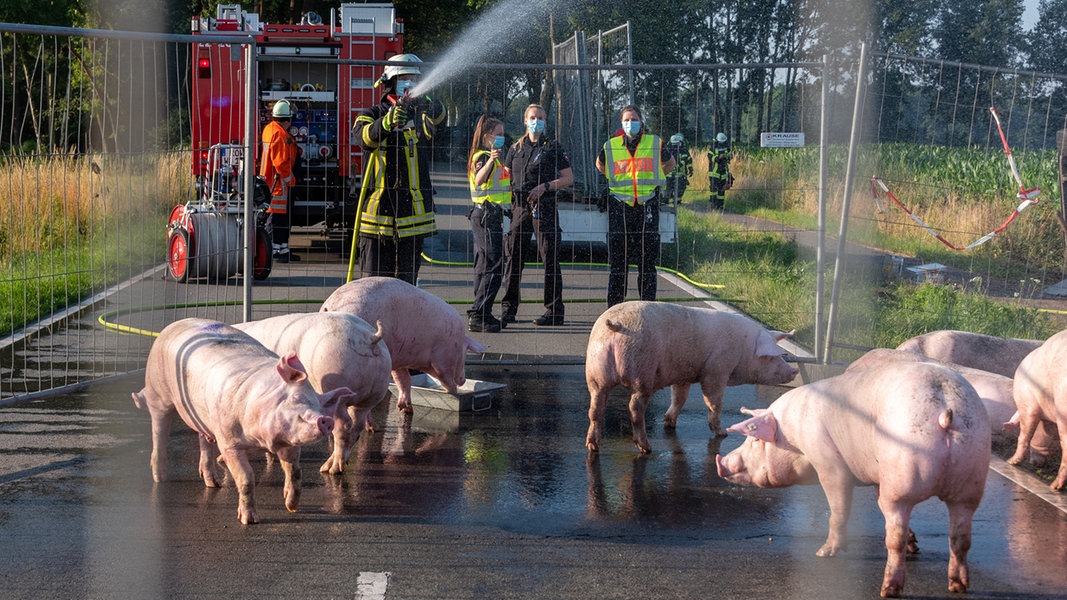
x,y
508,19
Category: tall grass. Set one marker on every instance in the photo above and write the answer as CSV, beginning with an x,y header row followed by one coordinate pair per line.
x,y
763,274
73,224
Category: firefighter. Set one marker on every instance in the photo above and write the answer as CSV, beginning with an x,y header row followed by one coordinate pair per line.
x,y
539,169
277,159
719,177
634,164
490,185
678,179
396,209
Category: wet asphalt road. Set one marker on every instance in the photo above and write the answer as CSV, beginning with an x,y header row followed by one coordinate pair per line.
x,y
498,504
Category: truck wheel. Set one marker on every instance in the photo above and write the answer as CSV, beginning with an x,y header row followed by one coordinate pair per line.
x,y
263,258
178,255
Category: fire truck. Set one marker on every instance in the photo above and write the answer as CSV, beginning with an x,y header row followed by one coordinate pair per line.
x,y
304,64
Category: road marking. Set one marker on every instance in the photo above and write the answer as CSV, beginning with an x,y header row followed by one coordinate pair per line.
x,y
371,586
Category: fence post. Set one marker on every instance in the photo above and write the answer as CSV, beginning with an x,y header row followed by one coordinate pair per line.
x,y
251,135
853,144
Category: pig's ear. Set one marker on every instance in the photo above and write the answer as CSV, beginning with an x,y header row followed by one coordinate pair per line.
x,y
474,345
291,369
753,412
764,427
779,336
335,402
767,343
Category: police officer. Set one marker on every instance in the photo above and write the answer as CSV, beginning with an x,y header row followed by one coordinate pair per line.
x,y
396,210
719,171
634,164
490,185
277,159
539,168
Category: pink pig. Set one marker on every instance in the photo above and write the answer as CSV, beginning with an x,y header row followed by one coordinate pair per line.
x,y
976,350
994,389
914,430
340,350
1041,398
421,330
237,395
646,346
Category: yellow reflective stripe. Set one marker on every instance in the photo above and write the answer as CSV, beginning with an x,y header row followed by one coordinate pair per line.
x,y
366,120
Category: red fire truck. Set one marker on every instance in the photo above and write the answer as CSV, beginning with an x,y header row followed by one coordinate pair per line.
x,y
305,64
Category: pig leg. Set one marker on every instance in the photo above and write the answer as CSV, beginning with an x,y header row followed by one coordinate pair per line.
x,y
960,515
638,404
598,402
838,489
345,436
1027,427
402,378
897,515
161,421
209,464
1061,477
290,459
713,391
245,480
679,394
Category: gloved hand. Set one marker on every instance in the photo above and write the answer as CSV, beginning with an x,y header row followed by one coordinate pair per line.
x,y
396,116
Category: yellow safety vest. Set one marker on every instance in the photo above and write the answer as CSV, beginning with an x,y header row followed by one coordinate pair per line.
x,y
495,189
633,178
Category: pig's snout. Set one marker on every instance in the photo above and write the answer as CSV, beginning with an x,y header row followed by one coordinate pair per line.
x,y
325,425
719,466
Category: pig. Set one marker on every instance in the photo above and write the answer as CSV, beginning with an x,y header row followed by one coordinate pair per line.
x,y
421,331
978,351
915,430
237,395
995,390
1041,397
646,346
339,350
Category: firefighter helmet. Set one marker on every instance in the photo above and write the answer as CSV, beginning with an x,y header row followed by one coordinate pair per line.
x,y
393,70
677,138
721,138
281,110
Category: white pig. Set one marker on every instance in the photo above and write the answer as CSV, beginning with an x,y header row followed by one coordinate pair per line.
x,y
914,430
339,350
237,395
421,330
647,346
976,350
1041,397
994,389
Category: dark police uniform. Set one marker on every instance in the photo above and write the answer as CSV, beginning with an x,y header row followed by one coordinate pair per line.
x,y
532,164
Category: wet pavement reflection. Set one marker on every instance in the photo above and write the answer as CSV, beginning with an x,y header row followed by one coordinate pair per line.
x,y
505,502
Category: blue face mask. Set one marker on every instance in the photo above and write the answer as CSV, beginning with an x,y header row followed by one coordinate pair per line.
x,y
403,86
535,125
498,141
631,127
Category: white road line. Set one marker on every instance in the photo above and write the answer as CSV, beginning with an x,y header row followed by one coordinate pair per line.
x,y
371,586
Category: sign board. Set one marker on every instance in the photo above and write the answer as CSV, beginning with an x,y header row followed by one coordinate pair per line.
x,y
781,140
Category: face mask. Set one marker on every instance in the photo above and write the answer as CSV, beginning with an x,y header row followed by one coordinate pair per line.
x,y
631,127
535,125
403,86
498,141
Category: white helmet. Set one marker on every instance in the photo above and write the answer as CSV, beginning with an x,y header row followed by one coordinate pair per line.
x,y
392,71
281,110
677,138
721,138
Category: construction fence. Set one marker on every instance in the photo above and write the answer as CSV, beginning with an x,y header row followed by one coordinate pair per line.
x,y
99,151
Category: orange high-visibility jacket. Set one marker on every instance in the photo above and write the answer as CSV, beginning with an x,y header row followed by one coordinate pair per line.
x,y
276,165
